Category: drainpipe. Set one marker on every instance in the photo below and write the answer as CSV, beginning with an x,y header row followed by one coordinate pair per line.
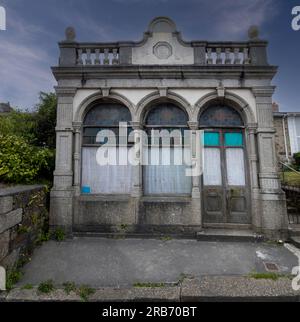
x,y
285,139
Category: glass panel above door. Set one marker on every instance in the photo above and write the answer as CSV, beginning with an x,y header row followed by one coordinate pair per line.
x,y
211,139
233,139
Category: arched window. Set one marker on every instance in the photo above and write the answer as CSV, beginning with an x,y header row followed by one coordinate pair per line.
x,y
115,176
165,173
220,116
104,116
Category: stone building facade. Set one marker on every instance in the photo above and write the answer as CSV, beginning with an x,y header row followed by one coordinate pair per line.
x,y
222,88
287,126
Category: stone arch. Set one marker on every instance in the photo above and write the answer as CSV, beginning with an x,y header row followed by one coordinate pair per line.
x,y
155,97
114,97
232,100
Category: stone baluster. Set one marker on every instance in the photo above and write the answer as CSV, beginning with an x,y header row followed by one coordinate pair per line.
x,y
79,59
228,60
219,60
246,56
237,59
106,57
97,57
88,57
209,56
115,60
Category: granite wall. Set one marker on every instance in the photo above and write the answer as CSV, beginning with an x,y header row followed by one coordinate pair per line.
x,y
23,217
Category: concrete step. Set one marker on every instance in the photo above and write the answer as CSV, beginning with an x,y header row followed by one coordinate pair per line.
x,y
133,235
229,235
295,240
212,234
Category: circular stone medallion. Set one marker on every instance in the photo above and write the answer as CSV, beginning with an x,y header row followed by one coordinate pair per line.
x,y
163,50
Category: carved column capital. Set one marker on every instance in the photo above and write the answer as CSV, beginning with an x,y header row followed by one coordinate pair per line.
x,y
266,91
136,125
65,91
77,126
193,126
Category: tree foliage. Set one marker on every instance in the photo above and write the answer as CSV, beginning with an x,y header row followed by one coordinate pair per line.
x,y
28,142
21,162
45,118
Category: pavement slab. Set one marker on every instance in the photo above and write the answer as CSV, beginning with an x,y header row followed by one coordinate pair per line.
x,y
99,262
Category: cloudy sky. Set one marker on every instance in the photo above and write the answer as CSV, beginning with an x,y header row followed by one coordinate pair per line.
x,y
29,45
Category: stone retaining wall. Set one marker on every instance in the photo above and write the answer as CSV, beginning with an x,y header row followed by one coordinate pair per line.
x,y
23,215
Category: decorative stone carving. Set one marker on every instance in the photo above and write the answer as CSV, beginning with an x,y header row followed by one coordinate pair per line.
x,y
163,50
105,91
221,90
162,25
163,91
253,32
70,34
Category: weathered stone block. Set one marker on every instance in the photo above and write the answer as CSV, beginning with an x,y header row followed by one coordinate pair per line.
x,y
4,244
10,219
6,204
10,260
2,279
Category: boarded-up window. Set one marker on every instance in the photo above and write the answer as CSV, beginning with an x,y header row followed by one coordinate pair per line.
x,y
105,179
167,163
115,176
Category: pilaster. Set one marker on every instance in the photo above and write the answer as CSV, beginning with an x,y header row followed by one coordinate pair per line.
x,y
61,209
196,164
272,198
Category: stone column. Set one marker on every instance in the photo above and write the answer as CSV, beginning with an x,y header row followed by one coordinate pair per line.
x,y
196,159
253,161
61,209
137,173
77,156
272,198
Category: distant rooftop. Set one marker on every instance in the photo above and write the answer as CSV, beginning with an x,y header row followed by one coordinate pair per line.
x,y
5,108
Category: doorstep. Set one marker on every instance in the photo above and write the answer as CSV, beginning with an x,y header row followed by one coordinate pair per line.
x,y
229,235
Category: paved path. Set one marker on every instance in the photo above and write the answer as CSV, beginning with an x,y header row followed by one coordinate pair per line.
x,y
122,263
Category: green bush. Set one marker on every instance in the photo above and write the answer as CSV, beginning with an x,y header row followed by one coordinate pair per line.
x,y
297,159
46,287
59,235
21,162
